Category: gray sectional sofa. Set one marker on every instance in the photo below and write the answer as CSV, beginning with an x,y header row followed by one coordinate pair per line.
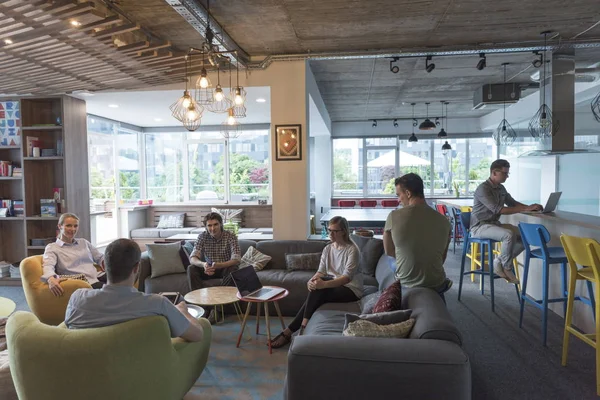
x,y
324,364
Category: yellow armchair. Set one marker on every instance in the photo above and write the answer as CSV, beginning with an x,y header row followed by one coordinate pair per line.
x,y
133,360
48,308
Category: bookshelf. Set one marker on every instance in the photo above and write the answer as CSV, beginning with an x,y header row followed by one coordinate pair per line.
x,y
59,125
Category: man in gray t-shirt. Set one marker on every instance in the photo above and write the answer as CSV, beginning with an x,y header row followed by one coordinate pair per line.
x,y
491,200
118,301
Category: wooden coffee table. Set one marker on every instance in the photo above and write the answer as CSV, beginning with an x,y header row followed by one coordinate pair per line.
x,y
215,296
273,300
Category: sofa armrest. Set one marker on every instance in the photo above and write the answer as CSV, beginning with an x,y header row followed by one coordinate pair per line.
x,y
354,367
145,271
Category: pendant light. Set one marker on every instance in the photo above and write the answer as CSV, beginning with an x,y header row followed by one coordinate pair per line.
x,y
442,133
596,107
427,125
221,103
186,107
504,134
238,95
412,137
541,125
204,91
446,148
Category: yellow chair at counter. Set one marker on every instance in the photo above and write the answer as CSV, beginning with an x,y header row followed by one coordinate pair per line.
x,y
585,252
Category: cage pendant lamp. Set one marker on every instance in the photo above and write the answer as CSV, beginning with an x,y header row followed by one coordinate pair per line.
x,y
541,125
180,108
237,95
221,103
442,133
204,91
231,128
504,134
427,125
412,137
596,107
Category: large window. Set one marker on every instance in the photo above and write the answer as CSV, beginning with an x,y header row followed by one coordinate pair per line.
x,y
347,167
164,167
203,166
378,161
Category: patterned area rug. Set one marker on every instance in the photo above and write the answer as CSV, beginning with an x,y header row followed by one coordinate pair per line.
x,y
247,372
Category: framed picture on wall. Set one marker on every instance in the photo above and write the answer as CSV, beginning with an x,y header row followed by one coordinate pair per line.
x,y
288,142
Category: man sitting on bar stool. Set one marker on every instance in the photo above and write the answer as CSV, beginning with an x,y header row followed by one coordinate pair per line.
x,y
491,200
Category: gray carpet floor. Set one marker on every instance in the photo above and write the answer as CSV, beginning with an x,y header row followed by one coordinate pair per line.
x,y
507,362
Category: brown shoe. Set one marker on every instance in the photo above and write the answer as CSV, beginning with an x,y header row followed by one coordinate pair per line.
x,y
280,340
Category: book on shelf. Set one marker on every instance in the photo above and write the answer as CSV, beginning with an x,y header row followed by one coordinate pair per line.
x,y
6,207
4,269
6,168
17,172
48,208
18,208
31,143
15,271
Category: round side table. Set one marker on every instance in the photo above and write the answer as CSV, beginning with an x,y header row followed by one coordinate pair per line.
x,y
215,296
7,306
273,300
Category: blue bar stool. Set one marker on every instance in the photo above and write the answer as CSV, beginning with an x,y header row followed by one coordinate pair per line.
x,y
486,246
537,235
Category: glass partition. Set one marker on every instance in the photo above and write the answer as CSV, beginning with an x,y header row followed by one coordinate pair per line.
x,y
579,183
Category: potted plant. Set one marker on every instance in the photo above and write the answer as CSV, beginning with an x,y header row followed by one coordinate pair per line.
x,y
456,185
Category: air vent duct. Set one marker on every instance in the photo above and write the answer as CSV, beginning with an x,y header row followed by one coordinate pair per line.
x,y
492,94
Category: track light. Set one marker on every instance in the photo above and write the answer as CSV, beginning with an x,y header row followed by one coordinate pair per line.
x,y
482,62
395,123
437,121
538,61
374,123
429,67
394,68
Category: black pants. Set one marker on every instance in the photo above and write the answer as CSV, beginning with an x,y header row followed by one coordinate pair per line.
x,y
101,282
316,298
196,275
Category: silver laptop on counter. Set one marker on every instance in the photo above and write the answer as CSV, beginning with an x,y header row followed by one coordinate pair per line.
x,y
550,204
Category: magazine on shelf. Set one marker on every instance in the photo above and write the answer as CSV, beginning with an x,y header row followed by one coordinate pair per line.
x,y
48,208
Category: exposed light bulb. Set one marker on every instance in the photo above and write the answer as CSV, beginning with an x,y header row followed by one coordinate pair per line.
x,y
239,100
544,121
191,114
218,94
293,136
231,118
286,144
203,82
186,101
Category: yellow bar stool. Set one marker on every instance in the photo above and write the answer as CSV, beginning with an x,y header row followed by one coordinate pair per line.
x,y
585,252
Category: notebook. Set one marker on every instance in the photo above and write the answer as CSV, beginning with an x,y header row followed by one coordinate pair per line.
x,y
247,283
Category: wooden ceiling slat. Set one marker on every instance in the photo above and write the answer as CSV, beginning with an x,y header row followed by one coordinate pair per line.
x,y
116,30
133,47
103,22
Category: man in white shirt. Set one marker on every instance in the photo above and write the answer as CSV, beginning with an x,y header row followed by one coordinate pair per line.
x,y
118,301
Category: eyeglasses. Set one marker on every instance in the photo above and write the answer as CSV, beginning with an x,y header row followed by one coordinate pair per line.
x,y
334,230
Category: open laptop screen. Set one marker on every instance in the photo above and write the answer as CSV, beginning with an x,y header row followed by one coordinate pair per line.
x,y
246,280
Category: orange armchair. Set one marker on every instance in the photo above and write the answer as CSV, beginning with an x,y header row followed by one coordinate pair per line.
x,y
48,308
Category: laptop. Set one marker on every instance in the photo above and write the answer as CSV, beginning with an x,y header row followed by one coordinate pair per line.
x,y
550,204
247,283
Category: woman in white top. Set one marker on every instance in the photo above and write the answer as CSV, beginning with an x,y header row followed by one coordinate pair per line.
x,y
71,256
336,281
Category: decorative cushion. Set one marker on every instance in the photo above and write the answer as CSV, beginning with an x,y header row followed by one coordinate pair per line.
x,y
302,261
384,318
171,221
187,247
390,300
255,258
229,214
371,250
165,259
368,302
364,328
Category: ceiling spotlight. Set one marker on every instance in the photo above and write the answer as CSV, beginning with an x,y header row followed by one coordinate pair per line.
x,y
437,121
429,67
8,41
394,68
395,123
75,23
261,100
374,123
481,64
538,61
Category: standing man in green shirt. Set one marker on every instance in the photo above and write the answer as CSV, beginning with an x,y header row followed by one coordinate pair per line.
x,y
417,236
